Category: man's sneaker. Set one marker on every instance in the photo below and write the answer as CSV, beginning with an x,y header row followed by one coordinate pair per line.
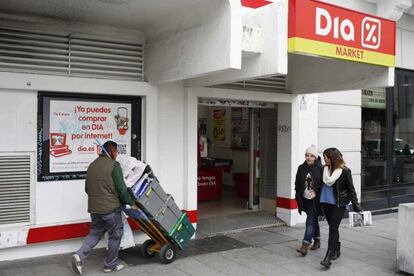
x,y
118,267
76,264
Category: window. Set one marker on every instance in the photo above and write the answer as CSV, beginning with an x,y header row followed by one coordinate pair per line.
x,y
388,144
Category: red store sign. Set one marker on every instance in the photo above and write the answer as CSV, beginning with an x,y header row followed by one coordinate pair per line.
x,y
323,29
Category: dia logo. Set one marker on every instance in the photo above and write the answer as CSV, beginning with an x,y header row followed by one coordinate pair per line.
x,y
342,28
371,33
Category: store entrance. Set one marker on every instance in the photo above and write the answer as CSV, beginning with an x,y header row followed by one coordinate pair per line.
x,y
236,159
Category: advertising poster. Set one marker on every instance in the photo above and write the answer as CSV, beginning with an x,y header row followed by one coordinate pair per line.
x,y
219,124
76,125
239,128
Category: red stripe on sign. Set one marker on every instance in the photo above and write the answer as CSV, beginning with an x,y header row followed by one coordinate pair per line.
x,y
254,4
192,215
286,203
58,232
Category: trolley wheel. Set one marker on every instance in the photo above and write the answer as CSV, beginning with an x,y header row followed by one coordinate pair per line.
x,y
146,249
167,253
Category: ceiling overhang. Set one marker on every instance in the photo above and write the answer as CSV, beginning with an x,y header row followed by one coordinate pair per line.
x,y
128,14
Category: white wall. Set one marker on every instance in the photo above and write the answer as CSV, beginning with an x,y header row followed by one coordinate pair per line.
x,y
272,22
18,120
59,202
339,125
62,202
405,42
170,140
192,43
302,118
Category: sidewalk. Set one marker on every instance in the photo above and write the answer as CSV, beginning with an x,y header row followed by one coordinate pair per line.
x,y
268,251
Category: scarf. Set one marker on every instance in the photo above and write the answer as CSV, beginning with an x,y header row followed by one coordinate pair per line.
x,y
330,179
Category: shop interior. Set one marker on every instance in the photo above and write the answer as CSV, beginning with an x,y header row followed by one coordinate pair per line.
x,y
229,161
223,161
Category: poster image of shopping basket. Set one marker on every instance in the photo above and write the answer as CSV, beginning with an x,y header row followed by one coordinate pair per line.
x,y
121,119
360,219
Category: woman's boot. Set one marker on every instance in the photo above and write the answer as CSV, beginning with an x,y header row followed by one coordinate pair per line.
x,y
316,244
303,249
337,252
326,262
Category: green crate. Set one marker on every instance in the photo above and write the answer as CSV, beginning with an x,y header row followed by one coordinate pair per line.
x,y
182,232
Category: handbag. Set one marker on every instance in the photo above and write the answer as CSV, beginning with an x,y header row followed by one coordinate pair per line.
x,y
360,218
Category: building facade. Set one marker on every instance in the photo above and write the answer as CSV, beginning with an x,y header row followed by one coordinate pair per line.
x,y
155,78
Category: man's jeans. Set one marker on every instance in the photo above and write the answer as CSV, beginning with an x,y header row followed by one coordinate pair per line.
x,y
112,223
312,223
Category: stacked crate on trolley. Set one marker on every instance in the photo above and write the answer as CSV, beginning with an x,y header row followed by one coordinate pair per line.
x,y
160,218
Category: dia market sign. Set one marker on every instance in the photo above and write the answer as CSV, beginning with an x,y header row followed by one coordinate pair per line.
x,y
326,30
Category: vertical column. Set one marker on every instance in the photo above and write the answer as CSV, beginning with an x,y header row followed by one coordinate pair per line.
x,y
190,154
297,129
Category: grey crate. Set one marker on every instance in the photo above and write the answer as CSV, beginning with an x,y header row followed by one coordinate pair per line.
x,y
168,215
159,205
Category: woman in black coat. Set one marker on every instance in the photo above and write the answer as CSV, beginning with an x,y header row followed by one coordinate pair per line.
x,y
308,184
337,191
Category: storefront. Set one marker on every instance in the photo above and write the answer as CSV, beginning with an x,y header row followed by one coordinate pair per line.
x,y
225,101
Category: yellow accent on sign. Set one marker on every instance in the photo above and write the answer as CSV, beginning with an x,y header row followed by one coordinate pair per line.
x,y
308,46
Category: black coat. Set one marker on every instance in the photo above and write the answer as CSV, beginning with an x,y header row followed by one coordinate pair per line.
x,y
316,171
344,190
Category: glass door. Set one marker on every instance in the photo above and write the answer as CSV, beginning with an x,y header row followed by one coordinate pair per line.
x,y
254,158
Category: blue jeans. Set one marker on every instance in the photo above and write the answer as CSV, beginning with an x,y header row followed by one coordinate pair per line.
x,y
312,230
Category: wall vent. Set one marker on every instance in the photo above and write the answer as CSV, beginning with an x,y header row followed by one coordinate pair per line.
x,y
275,84
70,55
14,189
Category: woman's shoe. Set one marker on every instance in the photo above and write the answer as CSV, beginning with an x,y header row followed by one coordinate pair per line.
x,y
326,262
337,252
303,249
316,244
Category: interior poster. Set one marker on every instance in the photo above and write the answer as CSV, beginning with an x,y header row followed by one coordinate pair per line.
x,y
239,128
219,124
76,125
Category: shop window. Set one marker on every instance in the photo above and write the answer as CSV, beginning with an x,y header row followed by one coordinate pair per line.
x,y
403,132
373,137
71,126
388,144
373,155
